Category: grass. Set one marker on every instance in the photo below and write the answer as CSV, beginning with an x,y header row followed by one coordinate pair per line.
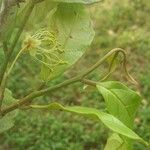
x,y
122,24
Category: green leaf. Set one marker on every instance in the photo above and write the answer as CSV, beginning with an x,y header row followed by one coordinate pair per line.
x,y
121,102
77,1
115,142
7,121
40,18
108,120
72,25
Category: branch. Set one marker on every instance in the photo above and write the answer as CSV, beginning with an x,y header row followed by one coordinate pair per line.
x,y
33,95
89,82
79,78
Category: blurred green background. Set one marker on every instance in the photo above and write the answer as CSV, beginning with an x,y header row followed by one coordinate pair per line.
x,y
124,24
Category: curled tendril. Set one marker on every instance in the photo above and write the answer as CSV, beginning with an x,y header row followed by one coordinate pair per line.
x,y
117,51
45,48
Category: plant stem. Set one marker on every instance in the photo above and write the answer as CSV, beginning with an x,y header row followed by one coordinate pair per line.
x,y
78,78
89,82
33,95
110,67
16,58
96,65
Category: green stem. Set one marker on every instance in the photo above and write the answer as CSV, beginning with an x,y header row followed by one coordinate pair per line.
x,y
78,78
89,82
96,65
13,63
110,68
35,94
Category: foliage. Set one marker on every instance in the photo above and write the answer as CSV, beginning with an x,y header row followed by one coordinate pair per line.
x,y
8,121
59,41
110,121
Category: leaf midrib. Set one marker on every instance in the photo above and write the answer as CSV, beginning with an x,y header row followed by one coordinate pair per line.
x,y
119,100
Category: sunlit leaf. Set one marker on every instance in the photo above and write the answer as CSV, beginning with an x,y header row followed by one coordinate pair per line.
x,y
120,101
108,120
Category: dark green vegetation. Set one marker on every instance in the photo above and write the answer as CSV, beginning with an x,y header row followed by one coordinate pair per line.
x,y
118,24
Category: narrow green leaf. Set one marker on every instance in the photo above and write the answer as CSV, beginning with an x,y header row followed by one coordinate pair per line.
x,y
110,121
